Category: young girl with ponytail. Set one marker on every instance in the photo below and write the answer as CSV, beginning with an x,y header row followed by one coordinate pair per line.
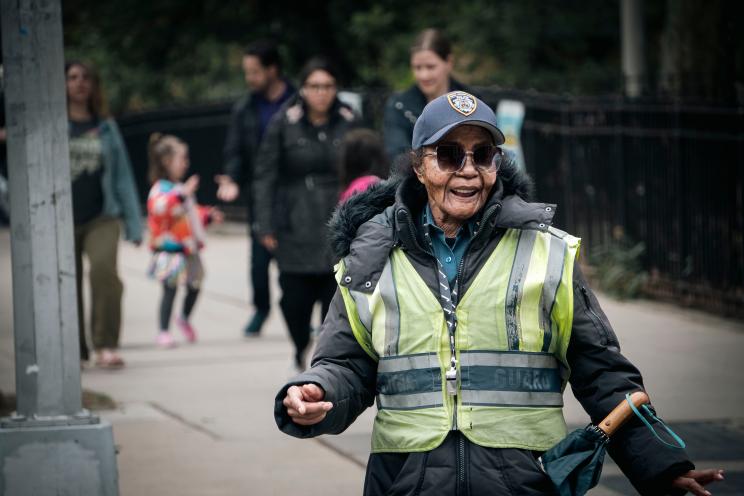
x,y
176,224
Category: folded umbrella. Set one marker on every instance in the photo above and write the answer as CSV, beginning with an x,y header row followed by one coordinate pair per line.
x,y
575,464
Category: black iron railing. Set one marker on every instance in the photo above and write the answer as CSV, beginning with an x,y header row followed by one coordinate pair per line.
x,y
668,175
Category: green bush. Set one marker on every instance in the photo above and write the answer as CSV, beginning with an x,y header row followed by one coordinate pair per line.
x,y
618,268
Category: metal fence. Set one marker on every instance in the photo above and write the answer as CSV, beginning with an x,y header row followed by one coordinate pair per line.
x,y
668,175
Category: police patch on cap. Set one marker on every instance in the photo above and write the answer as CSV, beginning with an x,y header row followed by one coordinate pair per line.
x,y
464,103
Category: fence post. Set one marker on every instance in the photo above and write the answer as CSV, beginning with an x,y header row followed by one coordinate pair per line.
x,y
633,46
566,167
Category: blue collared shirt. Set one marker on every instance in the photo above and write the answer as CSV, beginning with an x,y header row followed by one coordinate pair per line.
x,y
448,251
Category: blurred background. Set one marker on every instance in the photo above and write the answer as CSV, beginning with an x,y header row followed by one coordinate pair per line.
x,y
646,165
652,181
164,52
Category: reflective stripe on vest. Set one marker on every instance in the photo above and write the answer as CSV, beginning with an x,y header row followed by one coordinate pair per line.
x,y
553,276
408,382
514,379
514,325
488,378
392,314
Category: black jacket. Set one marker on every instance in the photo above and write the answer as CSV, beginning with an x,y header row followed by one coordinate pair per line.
x,y
296,185
242,142
401,111
600,374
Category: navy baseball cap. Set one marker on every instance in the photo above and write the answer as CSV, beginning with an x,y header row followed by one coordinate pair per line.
x,y
446,112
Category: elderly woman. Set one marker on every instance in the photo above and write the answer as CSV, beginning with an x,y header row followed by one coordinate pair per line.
x,y
464,313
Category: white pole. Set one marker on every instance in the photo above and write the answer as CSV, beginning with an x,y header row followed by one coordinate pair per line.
x,y
633,46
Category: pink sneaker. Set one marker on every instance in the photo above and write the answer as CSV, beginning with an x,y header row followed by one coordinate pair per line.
x,y
165,340
188,331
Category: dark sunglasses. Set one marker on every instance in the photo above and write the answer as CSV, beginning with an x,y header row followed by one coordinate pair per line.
x,y
451,157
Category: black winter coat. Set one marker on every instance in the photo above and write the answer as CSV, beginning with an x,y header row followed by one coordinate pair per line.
x,y
296,185
600,374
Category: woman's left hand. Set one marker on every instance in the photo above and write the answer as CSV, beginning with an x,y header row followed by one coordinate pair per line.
x,y
694,480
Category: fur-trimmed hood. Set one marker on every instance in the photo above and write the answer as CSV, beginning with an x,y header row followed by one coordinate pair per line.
x,y
513,188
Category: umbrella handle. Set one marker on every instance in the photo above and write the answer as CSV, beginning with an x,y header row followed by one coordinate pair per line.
x,y
621,413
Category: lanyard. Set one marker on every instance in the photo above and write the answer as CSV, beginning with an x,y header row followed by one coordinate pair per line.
x,y
679,442
447,298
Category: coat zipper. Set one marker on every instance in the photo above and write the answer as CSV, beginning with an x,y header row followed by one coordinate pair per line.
x,y
460,464
454,350
461,486
595,317
461,266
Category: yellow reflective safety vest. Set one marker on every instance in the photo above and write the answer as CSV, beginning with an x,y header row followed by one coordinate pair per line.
x,y
514,325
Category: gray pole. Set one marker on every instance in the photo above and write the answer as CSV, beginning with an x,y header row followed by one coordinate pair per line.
x,y
44,301
633,47
50,445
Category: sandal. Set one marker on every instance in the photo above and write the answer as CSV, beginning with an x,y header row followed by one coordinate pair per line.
x,y
108,359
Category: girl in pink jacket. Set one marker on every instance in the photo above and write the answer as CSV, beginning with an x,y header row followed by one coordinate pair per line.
x,y
363,162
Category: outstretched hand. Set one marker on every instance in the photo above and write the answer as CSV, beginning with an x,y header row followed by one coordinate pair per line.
x,y
191,185
694,480
227,189
305,404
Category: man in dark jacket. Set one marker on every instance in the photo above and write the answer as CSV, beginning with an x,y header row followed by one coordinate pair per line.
x,y
483,433
248,122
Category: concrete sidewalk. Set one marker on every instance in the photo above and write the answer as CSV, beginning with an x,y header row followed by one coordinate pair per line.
x,y
197,420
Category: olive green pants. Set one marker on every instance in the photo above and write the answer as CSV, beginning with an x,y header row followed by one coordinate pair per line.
x,y
99,241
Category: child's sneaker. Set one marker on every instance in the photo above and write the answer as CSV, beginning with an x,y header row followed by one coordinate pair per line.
x,y
186,329
165,340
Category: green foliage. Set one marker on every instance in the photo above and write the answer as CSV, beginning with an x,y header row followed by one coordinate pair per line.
x,y
618,268
162,52
154,53
391,64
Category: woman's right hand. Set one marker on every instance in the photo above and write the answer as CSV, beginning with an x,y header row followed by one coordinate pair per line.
x,y
227,189
305,404
269,242
191,185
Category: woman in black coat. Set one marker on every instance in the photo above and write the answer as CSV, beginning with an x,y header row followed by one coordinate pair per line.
x,y
296,189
